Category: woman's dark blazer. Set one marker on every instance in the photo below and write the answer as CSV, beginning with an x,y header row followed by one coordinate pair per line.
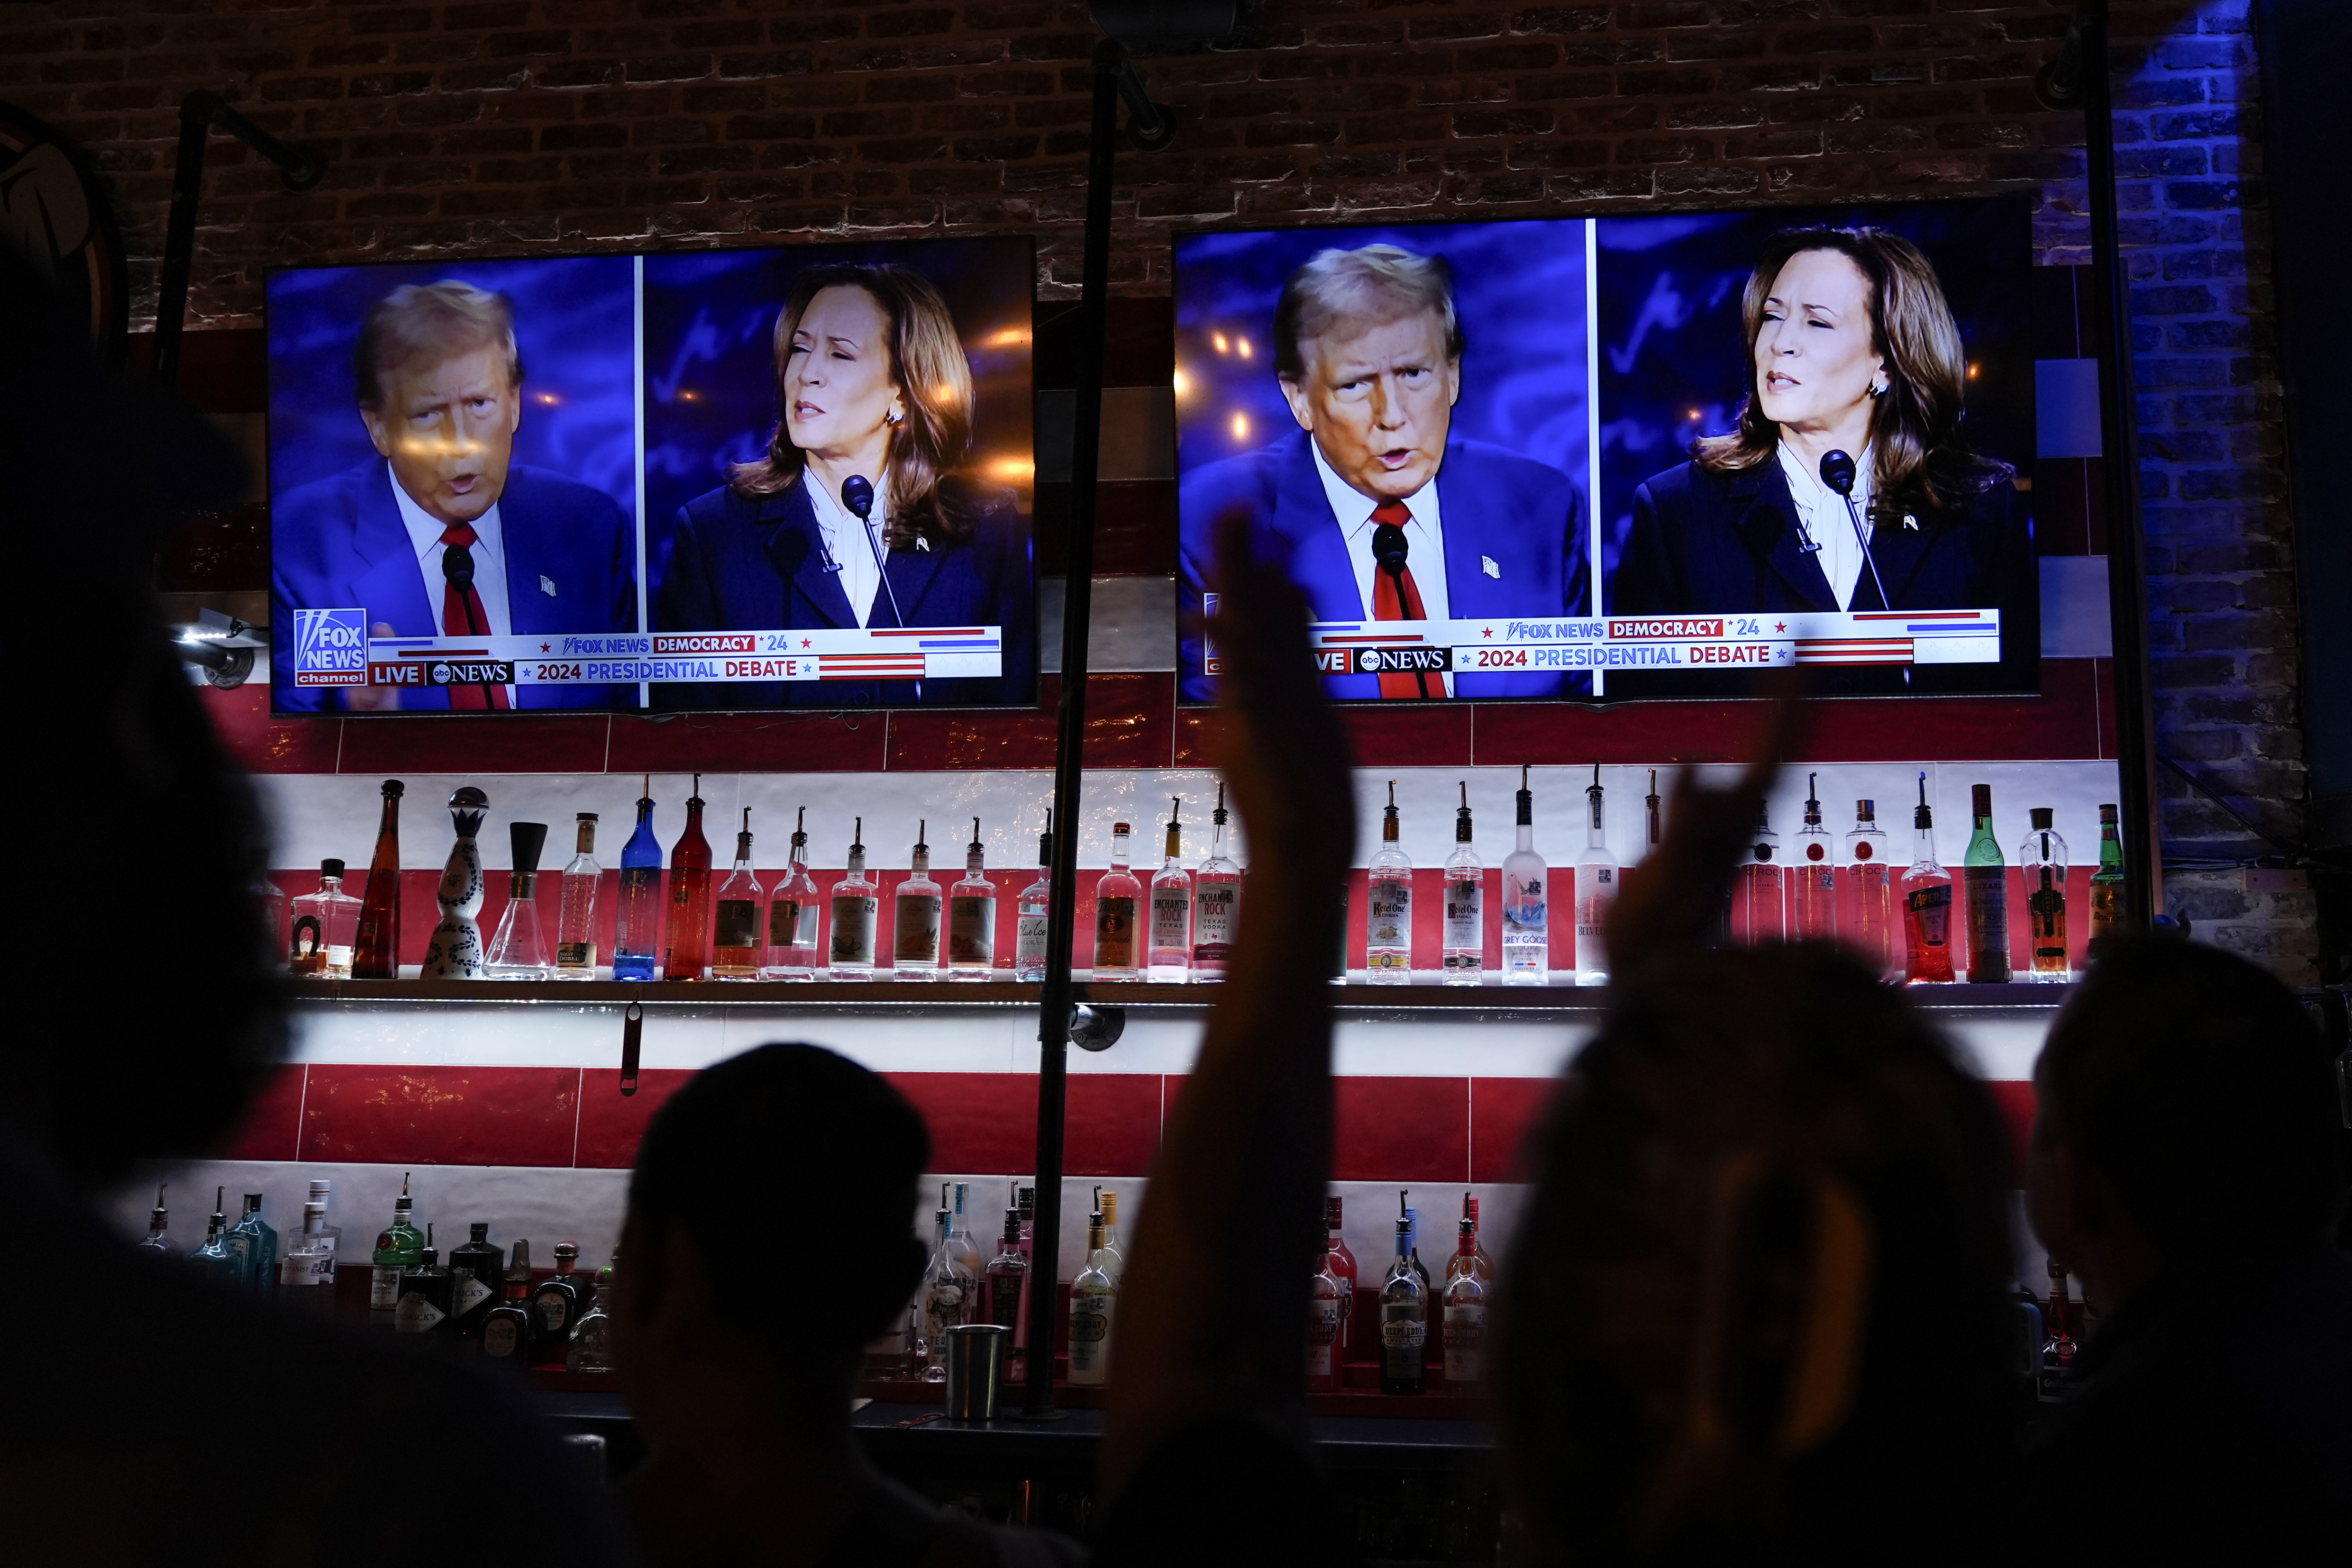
x,y
737,563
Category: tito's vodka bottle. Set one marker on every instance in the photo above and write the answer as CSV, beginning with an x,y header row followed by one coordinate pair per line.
x,y
915,933
1596,891
1216,902
1761,898
1986,877
856,909
1116,896
1812,871
1170,954
971,917
375,950
2042,857
575,920
737,948
1463,951
636,925
2107,882
1926,904
1867,872
1388,906
1034,915
688,950
793,952
1526,935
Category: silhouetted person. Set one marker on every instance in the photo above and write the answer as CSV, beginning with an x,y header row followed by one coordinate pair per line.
x,y
740,1332
2187,1165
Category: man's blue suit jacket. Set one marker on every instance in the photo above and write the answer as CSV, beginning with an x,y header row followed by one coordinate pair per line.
x,y
337,544
1526,517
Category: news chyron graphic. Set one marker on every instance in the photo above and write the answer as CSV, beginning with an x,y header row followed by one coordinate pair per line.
x,y
1623,456
826,500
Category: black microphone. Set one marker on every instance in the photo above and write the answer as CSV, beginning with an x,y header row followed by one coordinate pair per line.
x,y
857,495
458,569
1389,550
1838,474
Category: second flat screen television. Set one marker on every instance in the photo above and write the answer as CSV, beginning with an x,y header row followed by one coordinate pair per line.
x,y
792,478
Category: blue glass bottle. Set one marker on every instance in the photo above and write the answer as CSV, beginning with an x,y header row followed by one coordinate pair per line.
x,y
255,1247
214,1258
637,926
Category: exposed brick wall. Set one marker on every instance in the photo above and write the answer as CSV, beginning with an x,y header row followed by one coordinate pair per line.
x,y
508,125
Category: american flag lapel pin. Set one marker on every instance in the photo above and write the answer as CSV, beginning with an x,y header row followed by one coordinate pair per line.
x,y
1487,564
547,585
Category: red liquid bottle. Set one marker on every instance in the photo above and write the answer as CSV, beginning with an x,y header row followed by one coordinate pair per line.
x,y
1342,1264
689,897
1926,904
375,952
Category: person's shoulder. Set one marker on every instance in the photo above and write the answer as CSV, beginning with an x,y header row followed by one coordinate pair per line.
x,y
546,489
723,503
1515,469
1243,474
1683,485
335,492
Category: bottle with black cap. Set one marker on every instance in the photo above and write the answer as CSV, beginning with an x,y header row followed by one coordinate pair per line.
x,y
455,952
375,950
1527,931
424,1294
473,1270
1812,874
1926,904
794,952
738,945
1462,953
326,926
1034,917
1596,889
1216,902
519,951
557,1302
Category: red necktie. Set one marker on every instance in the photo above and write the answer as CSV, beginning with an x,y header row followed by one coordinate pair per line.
x,y
1394,598
456,611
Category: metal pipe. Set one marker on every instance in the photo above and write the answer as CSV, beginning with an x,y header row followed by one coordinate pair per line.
x,y
199,112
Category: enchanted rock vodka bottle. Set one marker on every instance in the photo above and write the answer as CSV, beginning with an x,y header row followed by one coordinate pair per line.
x,y
688,949
1034,915
1526,934
738,945
375,950
1388,906
1596,890
1463,947
575,920
2042,858
1404,1318
1216,902
636,923
914,931
1986,877
1812,874
1116,897
1867,873
971,917
856,911
1762,898
1926,904
793,950
1169,956
2107,882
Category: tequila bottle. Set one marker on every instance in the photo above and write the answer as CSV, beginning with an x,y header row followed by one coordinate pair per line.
x,y
1033,919
1008,1287
1093,1304
1986,878
214,1260
949,1295
255,1246
857,912
794,952
1116,898
915,933
2107,884
1216,902
1404,1318
739,949
591,1337
326,928
376,949
1596,890
1170,952
424,1294
1526,934
474,1268
1867,872
2042,858
398,1246
1464,949
688,950
159,1228
636,925
517,951
1466,1310
1812,872
971,917
1388,906
1761,897
575,920
557,1302
1926,904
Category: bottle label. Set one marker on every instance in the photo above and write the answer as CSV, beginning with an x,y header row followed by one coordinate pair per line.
x,y
738,925
1403,1334
1214,906
1524,914
786,917
942,1309
1089,1329
1466,915
502,1336
415,1315
1171,910
1388,914
297,1270
1930,909
1114,933
971,931
575,954
383,1290
1987,888
1466,1341
853,919
917,939
1322,1335
472,1293
2107,907
2046,906
1592,908
554,1308
1029,939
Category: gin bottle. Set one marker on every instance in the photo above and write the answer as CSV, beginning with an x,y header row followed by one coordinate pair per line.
x,y
255,1247
1926,904
575,922
948,1295
687,951
971,917
1170,952
159,1228
794,952
424,1294
2042,858
637,926
1093,1302
1404,1318
1388,906
1762,898
1033,919
1812,874
915,933
473,1270
1867,870
215,1260
326,928
736,949
1526,934
1464,948
517,952
1216,902
857,912
1986,877
2108,882
376,949
398,1246
1596,890
1117,895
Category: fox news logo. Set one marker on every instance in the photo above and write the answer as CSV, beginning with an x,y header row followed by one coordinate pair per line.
x,y
330,647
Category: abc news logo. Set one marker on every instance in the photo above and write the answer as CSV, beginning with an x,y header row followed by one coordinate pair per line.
x,y
444,672
1384,661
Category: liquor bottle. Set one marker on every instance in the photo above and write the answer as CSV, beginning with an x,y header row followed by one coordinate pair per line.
x,y
636,923
2058,1350
214,1260
306,1269
2107,884
1657,822
1475,1258
856,911
1926,904
914,931
1093,1302
591,1337
1170,955
1763,899
1033,915
1404,1318
398,1246
971,917
1216,902
1462,950
557,1302
964,1241
1866,872
1335,1241
1526,935
424,1294
738,951
519,952
1412,1248
1596,891
1008,1287
1388,906
794,950
1986,878
575,920
1114,1257
1327,1319
473,1270
1812,874
688,947
255,1247
1116,897
949,1294
1466,1312
506,1331
376,949
270,900
2042,858
455,951
326,928
159,1228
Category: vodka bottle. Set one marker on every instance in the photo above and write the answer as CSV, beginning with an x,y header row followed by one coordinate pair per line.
x,y
1404,1318
2108,882
688,950
1216,902
326,926
1342,1264
636,922
1812,874
1033,919
1466,1310
2042,858
971,917
159,1228
519,951
1926,904
794,950
1462,950
1170,952
946,1297
1116,898
1986,877
739,948
1867,873
856,911
1596,890
1526,935
575,922
376,949
915,929
1008,1287
1326,1319
1388,906
1475,1258
1761,897
1093,1304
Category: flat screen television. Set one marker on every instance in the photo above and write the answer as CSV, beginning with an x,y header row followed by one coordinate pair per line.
x,y
798,477
1598,458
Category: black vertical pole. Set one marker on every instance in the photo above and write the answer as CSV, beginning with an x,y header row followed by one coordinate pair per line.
x,y
180,238
1061,922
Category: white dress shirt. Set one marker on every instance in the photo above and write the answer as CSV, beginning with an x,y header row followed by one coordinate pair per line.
x,y
1822,511
849,544
490,561
1351,509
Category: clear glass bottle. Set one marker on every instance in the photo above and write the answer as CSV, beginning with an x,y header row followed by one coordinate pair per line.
x,y
1404,1318
398,1246
2042,858
964,1241
1867,870
1466,1310
1986,877
425,1297
1327,1317
1812,874
376,948
1093,1304
1170,955
591,1349
1008,1287
637,918
575,920
914,931
1033,919
971,917
2107,884
949,1295
1117,895
739,948
159,1228
306,1269
255,1245
1388,906
519,951
1596,890
214,1258
1463,951
856,913
795,950
686,950
1527,933
1763,897
1926,904
1114,1257
326,928
1216,902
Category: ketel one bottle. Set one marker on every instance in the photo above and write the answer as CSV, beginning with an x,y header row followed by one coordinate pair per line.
x,y
507,1334
1404,1318
1388,905
1463,947
424,1294
474,1283
559,1299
